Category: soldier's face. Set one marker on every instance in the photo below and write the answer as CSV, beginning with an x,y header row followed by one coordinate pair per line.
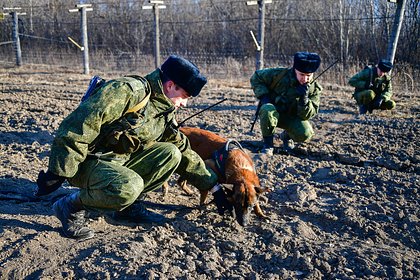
x,y
176,94
379,72
303,78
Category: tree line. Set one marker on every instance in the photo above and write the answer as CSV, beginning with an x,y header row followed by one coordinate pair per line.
x,y
355,30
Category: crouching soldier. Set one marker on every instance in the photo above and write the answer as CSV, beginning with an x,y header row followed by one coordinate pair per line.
x,y
373,88
123,142
288,99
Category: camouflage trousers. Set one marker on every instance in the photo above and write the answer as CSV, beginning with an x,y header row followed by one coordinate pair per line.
x,y
366,97
299,130
113,185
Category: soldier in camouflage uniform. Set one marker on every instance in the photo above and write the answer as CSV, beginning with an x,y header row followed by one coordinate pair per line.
x,y
115,151
373,88
288,99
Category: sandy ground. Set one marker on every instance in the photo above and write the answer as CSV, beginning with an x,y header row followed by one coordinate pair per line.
x,y
344,206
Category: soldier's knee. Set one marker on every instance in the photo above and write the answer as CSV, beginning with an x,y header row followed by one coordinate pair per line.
x,y
388,105
267,109
365,96
305,136
172,152
370,94
176,156
302,133
130,191
268,116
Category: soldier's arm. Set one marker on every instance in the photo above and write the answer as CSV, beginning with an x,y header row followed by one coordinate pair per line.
x,y
192,167
387,93
81,127
360,80
261,81
305,112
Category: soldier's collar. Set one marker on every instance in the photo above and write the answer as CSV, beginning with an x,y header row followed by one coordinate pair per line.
x,y
155,82
292,77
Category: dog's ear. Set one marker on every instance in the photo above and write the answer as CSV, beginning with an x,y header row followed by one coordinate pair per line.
x,y
260,190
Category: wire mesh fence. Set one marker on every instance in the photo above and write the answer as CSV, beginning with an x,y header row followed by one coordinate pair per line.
x,y
232,67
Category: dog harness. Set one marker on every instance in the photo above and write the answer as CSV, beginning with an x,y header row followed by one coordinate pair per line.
x,y
221,155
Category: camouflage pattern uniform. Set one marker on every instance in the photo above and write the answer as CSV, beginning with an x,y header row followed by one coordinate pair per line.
x,y
284,110
114,156
369,87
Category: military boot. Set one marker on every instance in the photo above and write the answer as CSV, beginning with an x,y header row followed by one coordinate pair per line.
x,y
288,143
70,211
363,109
268,148
137,213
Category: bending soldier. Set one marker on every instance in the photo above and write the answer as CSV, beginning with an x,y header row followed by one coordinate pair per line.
x,y
373,88
121,143
288,100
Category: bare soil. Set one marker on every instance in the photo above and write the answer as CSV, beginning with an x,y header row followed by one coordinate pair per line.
x,y
344,206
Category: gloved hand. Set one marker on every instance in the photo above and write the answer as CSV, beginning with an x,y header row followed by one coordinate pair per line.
x,y
48,182
220,199
265,99
368,85
303,93
377,103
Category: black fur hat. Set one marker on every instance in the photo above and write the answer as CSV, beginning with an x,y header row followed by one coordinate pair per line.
x,y
306,62
385,65
184,73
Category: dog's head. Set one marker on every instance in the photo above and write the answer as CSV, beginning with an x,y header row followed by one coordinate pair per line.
x,y
240,173
244,197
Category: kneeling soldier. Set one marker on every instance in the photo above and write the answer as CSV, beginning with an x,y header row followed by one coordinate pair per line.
x,y
373,88
122,142
288,100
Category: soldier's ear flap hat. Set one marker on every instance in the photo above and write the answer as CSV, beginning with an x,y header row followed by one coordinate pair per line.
x,y
184,73
306,62
385,65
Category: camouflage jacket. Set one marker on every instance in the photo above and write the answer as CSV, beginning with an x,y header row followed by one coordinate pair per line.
x,y
100,124
368,79
280,84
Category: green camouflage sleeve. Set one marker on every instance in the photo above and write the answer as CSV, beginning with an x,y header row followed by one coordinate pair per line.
x,y
360,79
387,91
192,167
263,80
260,81
83,125
309,110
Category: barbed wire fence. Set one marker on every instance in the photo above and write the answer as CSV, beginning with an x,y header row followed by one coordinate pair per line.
x,y
232,64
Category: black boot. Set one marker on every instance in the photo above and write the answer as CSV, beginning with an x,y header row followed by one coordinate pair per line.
x,y
69,210
137,213
268,147
288,143
370,108
363,109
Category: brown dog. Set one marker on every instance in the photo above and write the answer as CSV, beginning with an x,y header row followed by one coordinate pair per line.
x,y
239,172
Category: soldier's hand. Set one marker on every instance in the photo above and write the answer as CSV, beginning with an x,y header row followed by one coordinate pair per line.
x,y
265,99
368,85
48,182
221,200
302,90
303,93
